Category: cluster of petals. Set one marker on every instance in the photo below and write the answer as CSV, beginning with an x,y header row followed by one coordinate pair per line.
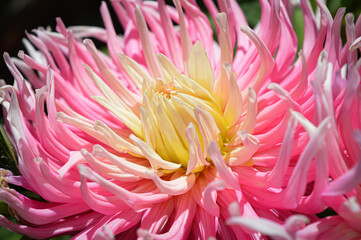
x,y
177,135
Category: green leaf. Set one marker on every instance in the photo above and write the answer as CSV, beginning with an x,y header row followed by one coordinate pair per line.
x,y
8,159
298,25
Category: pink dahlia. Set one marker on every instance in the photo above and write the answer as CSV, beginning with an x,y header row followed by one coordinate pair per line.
x,y
177,136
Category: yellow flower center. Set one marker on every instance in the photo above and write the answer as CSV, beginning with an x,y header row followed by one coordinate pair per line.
x,y
167,111
180,114
179,117
167,90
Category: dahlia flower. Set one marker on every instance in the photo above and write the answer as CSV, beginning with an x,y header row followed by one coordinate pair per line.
x,y
176,135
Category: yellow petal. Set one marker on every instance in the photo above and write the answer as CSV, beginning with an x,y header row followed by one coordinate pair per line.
x,y
199,67
221,86
154,159
234,107
131,120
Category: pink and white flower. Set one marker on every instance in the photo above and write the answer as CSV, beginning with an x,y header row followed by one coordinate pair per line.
x,y
161,137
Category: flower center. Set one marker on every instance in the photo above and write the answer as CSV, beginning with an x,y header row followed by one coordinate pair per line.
x,y
167,90
182,121
178,123
180,114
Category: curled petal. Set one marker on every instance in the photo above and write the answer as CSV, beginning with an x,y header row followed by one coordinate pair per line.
x,y
350,180
243,154
223,170
127,196
174,187
210,196
195,150
262,225
155,160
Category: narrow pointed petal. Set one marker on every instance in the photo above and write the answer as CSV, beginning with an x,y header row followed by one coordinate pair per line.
x,y
154,159
250,120
195,150
223,170
207,125
148,48
234,108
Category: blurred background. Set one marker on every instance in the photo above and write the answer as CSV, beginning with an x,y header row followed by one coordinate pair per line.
x,y
18,16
